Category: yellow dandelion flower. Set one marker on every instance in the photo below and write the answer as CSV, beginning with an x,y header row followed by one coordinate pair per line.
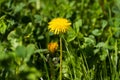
x,y
59,25
52,47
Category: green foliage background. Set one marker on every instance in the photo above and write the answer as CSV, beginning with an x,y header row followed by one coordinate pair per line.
x,y
91,48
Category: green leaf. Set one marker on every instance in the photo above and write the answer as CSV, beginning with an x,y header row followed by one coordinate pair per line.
x,y
28,29
21,51
14,39
80,35
100,44
96,50
71,35
116,7
3,56
40,37
19,7
104,54
19,31
37,18
104,23
77,25
96,32
3,27
29,51
89,41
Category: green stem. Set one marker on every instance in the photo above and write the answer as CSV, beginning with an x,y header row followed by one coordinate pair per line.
x,y
60,58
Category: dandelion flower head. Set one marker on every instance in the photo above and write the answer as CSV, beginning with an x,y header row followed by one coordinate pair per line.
x,y
59,25
52,47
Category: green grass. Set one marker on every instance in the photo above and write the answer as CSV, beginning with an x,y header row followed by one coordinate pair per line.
x,y
90,48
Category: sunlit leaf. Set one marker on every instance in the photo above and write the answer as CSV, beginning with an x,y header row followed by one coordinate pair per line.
x,y
19,7
96,32
29,51
3,27
77,25
104,23
21,51
71,35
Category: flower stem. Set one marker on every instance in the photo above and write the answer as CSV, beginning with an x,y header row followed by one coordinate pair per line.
x,y
60,58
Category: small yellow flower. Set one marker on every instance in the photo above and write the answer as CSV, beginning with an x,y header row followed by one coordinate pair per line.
x,y
59,25
52,47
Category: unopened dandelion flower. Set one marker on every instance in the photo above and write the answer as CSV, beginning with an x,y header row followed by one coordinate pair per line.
x,y
59,25
52,47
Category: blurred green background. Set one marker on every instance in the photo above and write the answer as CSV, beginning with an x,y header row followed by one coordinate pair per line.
x,y
91,48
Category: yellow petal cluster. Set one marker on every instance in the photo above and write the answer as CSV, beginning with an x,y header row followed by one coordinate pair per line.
x,y
52,47
59,25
